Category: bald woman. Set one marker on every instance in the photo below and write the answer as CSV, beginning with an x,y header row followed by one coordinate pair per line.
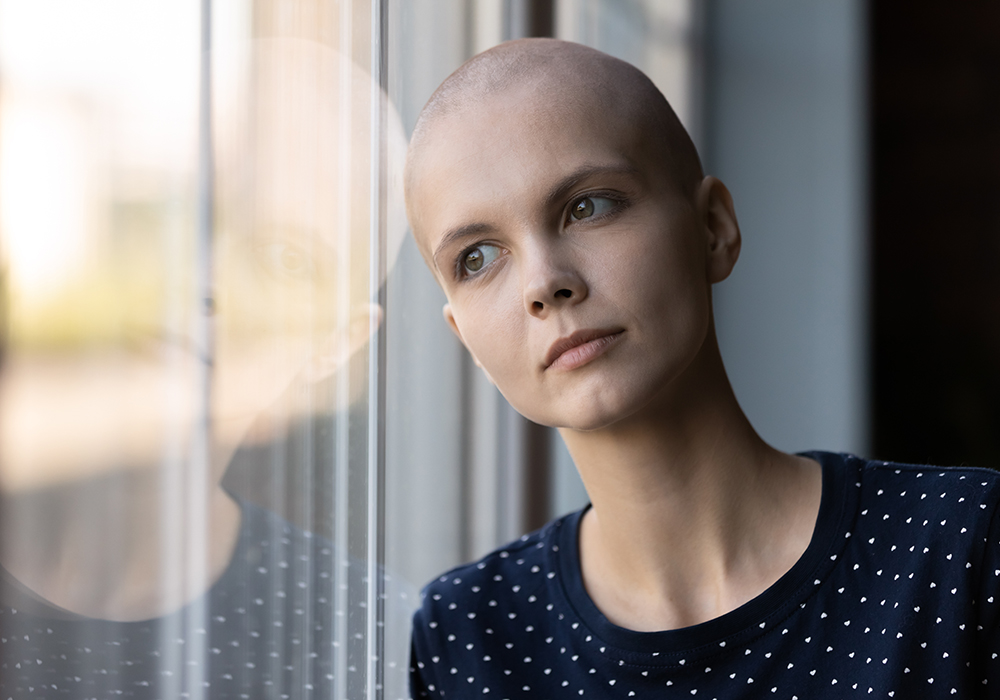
x,y
563,210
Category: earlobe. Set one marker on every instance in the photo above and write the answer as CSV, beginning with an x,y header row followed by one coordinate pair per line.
x,y
718,217
449,318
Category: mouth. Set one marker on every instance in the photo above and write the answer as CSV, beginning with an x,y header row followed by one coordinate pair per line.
x,y
579,348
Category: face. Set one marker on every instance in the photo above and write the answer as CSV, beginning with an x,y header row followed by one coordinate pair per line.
x,y
291,273
577,271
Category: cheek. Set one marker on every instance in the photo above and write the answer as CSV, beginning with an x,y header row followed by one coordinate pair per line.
x,y
491,323
654,274
659,285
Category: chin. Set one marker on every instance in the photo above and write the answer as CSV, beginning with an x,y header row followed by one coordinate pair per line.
x,y
588,414
591,421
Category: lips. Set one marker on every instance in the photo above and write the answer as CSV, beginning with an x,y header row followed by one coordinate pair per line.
x,y
579,348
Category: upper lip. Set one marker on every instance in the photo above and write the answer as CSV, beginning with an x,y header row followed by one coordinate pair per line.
x,y
576,338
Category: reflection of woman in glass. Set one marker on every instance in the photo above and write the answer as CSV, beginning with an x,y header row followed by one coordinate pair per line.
x,y
155,581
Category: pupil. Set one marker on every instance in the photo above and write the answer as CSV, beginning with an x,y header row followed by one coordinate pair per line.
x,y
474,260
583,209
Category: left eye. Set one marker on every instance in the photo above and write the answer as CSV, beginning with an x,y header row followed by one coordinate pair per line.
x,y
479,257
588,207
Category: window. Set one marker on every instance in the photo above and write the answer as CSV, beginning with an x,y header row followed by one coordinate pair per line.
x,y
195,228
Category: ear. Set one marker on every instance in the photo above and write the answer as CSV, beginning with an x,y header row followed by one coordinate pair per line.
x,y
450,318
718,217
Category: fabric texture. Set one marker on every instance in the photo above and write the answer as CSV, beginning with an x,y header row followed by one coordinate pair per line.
x,y
897,595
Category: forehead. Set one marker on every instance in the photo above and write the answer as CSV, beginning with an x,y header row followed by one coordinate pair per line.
x,y
502,157
302,161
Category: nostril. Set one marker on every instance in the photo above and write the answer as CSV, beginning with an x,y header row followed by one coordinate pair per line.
x,y
537,305
564,293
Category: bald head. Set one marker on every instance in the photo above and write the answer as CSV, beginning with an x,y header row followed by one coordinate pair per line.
x,y
555,76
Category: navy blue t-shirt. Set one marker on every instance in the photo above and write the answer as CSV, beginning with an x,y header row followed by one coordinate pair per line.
x,y
897,595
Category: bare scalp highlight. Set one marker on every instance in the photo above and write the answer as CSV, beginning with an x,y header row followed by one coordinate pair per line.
x,y
568,76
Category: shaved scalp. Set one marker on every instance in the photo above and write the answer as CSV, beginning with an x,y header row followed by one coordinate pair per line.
x,y
569,76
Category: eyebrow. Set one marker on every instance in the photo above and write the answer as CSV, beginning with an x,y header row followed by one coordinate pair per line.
x,y
555,193
563,187
456,234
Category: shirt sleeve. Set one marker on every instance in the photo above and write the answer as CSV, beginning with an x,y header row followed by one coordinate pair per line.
x,y
988,632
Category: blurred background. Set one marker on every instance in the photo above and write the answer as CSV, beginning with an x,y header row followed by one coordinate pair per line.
x,y
205,278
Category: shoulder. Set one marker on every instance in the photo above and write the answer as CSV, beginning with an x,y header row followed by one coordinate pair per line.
x,y
492,609
905,470
924,508
265,535
277,564
914,485
514,564
518,570
925,487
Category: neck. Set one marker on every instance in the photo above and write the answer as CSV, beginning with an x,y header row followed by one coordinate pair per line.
x,y
693,514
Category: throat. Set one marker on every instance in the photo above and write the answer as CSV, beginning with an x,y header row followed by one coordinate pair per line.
x,y
697,554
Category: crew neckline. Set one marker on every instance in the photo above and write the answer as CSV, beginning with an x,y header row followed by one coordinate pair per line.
x,y
752,619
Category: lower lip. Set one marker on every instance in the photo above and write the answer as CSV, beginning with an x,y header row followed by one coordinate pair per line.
x,y
582,354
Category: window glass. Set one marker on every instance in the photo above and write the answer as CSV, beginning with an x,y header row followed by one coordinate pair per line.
x,y
196,222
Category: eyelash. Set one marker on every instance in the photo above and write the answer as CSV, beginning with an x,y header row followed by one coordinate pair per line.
x,y
620,203
461,274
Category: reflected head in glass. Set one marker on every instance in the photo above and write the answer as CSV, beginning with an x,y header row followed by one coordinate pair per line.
x,y
142,349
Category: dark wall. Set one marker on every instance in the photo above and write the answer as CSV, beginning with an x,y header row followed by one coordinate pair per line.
x,y
935,139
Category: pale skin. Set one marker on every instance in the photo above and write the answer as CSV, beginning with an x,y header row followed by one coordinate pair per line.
x,y
544,210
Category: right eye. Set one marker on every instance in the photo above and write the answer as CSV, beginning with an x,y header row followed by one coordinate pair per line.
x,y
478,258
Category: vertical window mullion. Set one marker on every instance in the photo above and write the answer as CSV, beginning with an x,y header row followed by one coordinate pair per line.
x,y
376,349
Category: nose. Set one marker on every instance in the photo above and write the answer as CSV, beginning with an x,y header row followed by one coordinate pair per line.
x,y
551,284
